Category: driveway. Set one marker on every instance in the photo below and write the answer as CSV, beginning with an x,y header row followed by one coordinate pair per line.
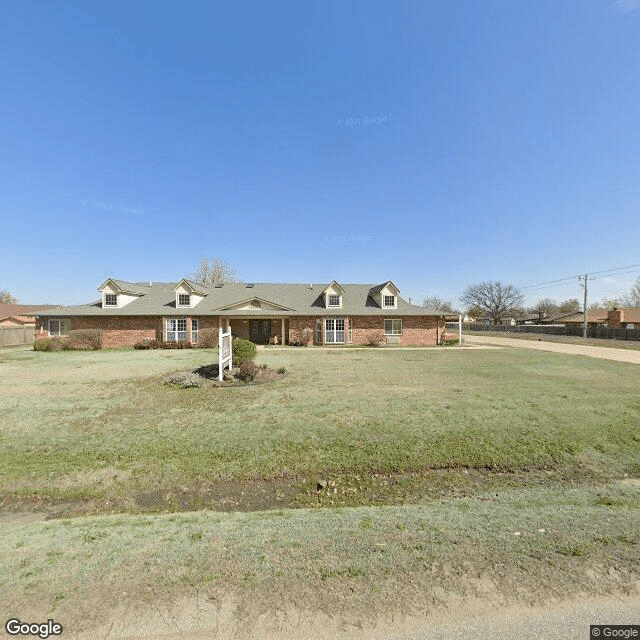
x,y
606,353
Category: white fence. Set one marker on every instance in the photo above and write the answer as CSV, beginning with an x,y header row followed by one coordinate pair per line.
x,y
225,351
14,336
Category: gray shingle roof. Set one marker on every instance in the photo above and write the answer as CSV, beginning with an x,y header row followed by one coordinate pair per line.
x,y
298,300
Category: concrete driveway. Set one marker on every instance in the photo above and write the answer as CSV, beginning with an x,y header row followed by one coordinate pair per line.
x,y
606,353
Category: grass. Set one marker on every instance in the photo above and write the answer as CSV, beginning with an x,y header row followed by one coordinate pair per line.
x,y
104,424
497,474
528,545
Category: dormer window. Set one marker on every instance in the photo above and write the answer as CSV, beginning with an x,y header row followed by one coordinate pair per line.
x,y
184,300
389,301
110,299
333,300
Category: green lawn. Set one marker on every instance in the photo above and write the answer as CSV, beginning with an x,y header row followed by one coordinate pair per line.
x,y
504,475
83,424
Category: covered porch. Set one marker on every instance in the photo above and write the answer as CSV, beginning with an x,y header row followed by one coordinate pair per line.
x,y
259,330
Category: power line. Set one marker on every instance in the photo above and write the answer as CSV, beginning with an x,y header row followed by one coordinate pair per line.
x,y
577,275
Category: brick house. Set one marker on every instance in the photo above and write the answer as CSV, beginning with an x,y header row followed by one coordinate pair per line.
x,y
321,314
624,318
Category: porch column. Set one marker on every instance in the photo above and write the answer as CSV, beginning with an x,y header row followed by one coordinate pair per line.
x,y
324,330
282,336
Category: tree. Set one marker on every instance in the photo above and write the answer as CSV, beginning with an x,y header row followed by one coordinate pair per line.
x,y
569,305
435,303
546,306
497,299
214,271
632,297
7,298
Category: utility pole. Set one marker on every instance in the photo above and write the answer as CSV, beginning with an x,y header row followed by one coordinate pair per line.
x,y
585,277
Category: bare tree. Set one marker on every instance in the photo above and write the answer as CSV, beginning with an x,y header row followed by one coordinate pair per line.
x,y
436,303
632,297
546,305
569,305
214,271
7,298
497,299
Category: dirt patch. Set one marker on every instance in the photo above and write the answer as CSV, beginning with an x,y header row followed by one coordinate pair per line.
x,y
22,517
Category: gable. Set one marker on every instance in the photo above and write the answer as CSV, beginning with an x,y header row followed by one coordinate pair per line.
x,y
254,304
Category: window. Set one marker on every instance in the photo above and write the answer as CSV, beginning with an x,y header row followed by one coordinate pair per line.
x,y
393,327
176,329
389,301
59,327
318,331
334,300
110,300
184,300
334,330
195,326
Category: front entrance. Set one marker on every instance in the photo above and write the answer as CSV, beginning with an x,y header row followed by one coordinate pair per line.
x,y
260,331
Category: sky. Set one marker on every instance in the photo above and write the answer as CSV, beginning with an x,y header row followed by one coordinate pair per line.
x,y
435,144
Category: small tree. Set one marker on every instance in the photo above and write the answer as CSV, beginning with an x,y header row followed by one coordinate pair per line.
x,y
436,303
632,297
214,271
497,299
7,298
567,306
546,306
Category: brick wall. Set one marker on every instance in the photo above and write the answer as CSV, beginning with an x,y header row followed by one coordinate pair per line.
x,y
614,318
420,330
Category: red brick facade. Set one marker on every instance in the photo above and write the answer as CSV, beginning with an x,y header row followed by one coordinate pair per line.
x,y
122,331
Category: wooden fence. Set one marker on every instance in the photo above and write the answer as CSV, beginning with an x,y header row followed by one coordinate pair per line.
x,y
606,333
14,336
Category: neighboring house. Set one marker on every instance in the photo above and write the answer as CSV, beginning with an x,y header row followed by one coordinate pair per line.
x,y
624,318
558,318
326,314
596,317
532,318
21,315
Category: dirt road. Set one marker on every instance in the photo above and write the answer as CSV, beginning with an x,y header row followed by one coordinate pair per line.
x,y
197,619
621,355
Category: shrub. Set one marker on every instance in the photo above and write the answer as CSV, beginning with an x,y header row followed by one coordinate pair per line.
x,y
301,337
243,351
142,345
281,370
374,338
449,342
89,339
185,379
50,344
248,371
207,339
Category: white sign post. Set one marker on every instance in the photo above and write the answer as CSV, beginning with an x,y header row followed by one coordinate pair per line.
x,y
460,330
225,351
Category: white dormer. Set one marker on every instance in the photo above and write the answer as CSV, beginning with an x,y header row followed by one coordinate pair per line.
x,y
116,295
188,294
333,296
386,295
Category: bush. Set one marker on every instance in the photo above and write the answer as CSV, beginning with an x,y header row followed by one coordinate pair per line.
x,y
301,337
243,351
89,339
449,342
145,344
248,370
281,370
374,338
158,344
207,339
185,379
49,344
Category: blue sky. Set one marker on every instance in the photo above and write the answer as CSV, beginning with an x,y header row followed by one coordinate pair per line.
x,y
433,143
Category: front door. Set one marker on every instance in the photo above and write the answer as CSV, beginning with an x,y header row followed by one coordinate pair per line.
x,y
260,331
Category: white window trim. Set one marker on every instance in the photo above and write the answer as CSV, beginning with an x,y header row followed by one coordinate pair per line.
x,y
104,301
334,306
195,332
67,324
392,320
334,330
390,306
183,306
175,331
